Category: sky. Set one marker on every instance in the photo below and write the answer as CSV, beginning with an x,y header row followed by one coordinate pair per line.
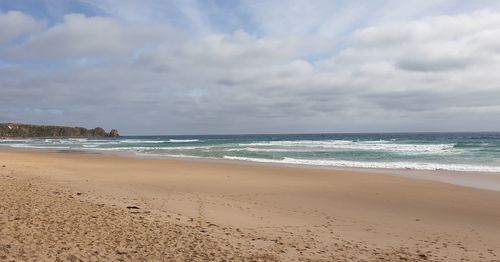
x,y
226,67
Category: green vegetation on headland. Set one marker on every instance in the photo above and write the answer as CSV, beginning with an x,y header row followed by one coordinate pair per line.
x,y
25,130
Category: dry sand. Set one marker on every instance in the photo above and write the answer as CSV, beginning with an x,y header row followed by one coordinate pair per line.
x,y
62,206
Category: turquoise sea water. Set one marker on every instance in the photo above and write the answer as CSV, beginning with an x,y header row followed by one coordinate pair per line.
x,y
422,151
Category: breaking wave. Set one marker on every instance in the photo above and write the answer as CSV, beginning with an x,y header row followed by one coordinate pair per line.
x,y
182,140
388,146
384,165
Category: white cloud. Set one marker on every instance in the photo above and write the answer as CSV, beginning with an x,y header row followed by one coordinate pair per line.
x,y
14,24
440,72
79,36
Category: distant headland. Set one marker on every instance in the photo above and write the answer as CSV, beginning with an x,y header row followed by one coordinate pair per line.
x,y
27,130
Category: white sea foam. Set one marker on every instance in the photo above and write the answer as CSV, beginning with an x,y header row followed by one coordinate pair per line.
x,y
7,141
254,149
183,140
171,155
386,165
175,147
97,144
59,142
147,148
141,141
381,145
38,146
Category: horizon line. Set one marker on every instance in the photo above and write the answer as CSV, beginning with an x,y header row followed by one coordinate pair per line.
x,y
325,133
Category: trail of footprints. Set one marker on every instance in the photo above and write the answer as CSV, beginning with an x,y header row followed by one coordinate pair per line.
x,y
200,240
53,224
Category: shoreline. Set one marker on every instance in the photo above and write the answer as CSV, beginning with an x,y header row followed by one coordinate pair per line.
x,y
272,212
452,151
471,179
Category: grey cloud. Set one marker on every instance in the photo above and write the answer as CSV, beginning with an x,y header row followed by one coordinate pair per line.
x,y
14,24
161,79
417,64
90,37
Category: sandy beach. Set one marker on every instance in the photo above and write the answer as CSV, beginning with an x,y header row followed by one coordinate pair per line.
x,y
74,206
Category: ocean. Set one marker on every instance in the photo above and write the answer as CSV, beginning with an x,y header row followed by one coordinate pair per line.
x,y
419,151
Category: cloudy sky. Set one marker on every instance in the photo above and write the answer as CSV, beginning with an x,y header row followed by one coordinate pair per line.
x,y
207,67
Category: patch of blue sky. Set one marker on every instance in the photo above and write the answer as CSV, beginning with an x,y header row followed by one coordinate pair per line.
x,y
52,11
227,16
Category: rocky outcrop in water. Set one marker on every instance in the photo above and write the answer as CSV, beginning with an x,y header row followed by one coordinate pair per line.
x,y
113,133
25,130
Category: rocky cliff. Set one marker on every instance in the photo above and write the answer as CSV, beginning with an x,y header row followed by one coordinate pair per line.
x,y
24,130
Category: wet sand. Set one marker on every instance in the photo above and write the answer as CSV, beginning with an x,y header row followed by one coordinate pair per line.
x,y
98,207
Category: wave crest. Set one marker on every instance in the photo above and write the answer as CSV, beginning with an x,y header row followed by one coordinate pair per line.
x,y
182,140
383,165
382,145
